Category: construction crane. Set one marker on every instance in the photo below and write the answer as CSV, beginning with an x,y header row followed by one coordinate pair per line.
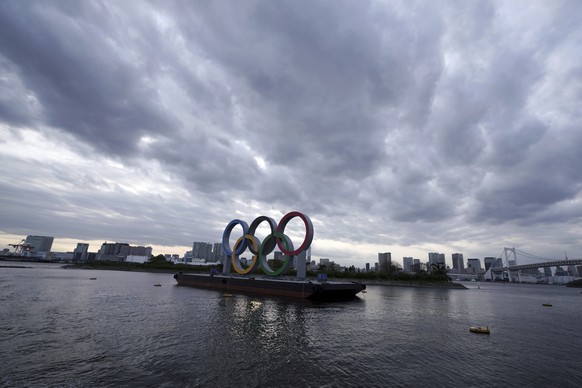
x,y
21,247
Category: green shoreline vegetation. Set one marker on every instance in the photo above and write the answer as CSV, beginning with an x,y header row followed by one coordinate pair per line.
x,y
394,277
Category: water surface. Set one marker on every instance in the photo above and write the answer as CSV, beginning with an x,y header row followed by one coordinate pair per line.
x,y
60,328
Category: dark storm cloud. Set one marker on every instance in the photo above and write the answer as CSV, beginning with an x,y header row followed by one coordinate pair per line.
x,y
381,120
75,62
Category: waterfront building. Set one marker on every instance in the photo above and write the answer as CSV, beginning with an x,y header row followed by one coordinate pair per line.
x,y
121,252
40,244
140,251
435,258
138,254
560,272
473,266
547,271
488,262
113,251
80,252
202,251
407,263
458,262
385,261
218,255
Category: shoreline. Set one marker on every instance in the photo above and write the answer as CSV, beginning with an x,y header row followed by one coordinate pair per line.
x,y
417,284
387,283
367,282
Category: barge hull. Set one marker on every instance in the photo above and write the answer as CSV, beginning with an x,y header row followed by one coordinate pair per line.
x,y
304,289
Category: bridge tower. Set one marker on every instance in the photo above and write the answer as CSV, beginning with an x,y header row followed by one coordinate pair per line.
x,y
508,253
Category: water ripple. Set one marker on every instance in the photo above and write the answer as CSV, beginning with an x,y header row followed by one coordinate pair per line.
x,y
57,328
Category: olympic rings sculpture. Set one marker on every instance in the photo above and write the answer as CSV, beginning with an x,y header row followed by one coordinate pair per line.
x,y
259,249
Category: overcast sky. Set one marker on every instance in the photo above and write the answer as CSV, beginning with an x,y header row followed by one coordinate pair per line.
x,y
397,126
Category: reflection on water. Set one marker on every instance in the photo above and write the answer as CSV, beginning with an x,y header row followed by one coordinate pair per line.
x,y
59,328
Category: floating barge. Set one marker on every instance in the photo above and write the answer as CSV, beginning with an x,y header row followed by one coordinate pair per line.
x,y
305,289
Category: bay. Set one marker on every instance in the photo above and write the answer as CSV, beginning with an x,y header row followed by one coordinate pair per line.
x,y
58,327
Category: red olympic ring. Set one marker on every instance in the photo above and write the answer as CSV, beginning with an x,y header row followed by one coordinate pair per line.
x,y
308,233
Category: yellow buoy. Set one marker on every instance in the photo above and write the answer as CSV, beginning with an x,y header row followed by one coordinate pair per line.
x,y
479,329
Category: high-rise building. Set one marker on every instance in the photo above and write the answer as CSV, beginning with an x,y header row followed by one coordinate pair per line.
x,y
202,251
80,252
138,254
473,265
547,271
112,249
218,254
40,244
140,251
407,263
458,262
123,252
435,258
385,261
488,261
416,265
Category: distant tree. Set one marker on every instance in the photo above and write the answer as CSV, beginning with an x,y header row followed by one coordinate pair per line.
x,y
158,259
275,264
419,268
438,269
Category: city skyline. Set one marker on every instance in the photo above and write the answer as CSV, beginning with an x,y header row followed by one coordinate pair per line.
x,y
397,127
208,250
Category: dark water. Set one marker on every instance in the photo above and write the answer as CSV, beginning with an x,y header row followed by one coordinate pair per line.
x,y
59,328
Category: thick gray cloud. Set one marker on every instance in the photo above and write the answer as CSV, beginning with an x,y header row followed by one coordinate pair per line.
x,y
398,126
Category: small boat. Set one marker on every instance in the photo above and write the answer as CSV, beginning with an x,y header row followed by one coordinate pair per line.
x,y
547,304
157,285
480,329
92,278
